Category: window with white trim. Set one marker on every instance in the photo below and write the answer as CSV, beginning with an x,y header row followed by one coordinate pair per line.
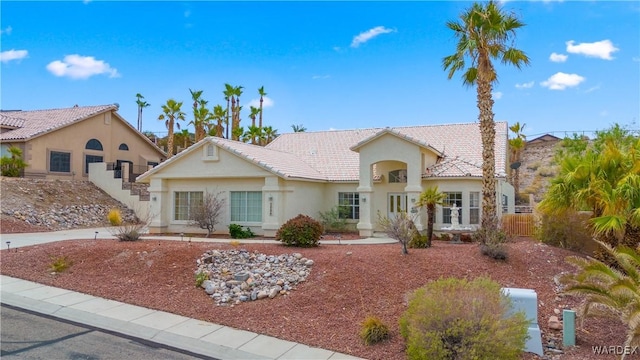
x,y
184,201
450,199
349,205
474,207
398,176
246,206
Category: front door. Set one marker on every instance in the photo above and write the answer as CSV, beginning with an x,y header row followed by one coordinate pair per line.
x,y
397,203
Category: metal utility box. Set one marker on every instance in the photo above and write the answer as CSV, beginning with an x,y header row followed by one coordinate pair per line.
x,y
527,300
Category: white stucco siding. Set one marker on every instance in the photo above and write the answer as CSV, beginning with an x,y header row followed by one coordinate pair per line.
x,y
464,186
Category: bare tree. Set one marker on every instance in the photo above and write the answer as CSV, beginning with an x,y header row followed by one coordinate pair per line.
x,y
207,214
399,227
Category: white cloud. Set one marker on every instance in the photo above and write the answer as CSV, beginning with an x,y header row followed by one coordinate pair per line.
x,y
363,37
593,88
81,67
558,57
527,85
497,95
7,30
561,81
267,102
12,54
317,77
600,49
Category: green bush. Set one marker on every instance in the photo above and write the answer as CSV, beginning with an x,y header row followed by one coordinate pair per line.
x,y
301,231
567,229
201,276
237,232
373,330
492,243
494,250
334,219
461,319
59,264
418,241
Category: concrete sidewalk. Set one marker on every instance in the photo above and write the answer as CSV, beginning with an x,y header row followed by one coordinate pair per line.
x,y
180,332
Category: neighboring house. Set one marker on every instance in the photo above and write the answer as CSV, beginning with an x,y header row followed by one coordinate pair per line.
x,y
61,143
544,139
369,172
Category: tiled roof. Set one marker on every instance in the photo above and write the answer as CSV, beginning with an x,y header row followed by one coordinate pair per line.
x,y
327,155
329,152
38,122
10,121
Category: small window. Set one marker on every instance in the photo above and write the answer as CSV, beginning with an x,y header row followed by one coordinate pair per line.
x,y
94,144
211,150
398,176
450,199
246,206
349,205
88,159
59,161
474,207
184,201
123,147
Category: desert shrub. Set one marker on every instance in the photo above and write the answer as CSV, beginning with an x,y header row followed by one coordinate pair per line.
x,y
399,227
566,229
494,251
301,231
206,215
201,276
492,243
534,166
546,171
131,230
418,241
114,217
237,232
59,263
461,319
444,237
334,219
466,238
373,330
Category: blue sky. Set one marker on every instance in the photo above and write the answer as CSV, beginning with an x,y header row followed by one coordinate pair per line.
x,y
325,65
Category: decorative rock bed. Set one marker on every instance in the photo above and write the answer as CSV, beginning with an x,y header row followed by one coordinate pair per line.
x,y
236,276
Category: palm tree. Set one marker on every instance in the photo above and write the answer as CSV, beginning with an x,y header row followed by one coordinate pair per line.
x,y
237,133
253,134
298,128
184,134
254,113
219,116
141,104
429,199
235,110
262,95
269,134
228,95
610,291
171,115
484,34
198,113
516,145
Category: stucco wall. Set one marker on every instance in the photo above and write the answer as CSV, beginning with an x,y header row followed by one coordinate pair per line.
x,y
107,128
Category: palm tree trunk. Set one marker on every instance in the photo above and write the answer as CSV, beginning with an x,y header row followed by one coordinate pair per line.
x,y
488,134
431,214
170,139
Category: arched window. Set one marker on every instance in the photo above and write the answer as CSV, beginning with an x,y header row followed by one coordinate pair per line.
x,y
124,147
93,144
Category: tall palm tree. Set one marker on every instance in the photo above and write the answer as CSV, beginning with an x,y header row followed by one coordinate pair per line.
x,y
228,94
429,199
235,110
219,116
516,145
269,134
172,113
298,128
141,105
484,35
262,95
198,120
254,113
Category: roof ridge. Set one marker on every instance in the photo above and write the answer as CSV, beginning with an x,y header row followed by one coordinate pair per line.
x,y
55,109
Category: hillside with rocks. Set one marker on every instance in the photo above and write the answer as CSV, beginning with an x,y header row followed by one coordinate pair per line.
x,y
537,169
32,205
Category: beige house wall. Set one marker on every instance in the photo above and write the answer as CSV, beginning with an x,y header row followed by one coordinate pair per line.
x,y
108,128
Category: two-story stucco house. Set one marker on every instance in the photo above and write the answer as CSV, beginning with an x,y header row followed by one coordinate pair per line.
x,y
61,143
368,171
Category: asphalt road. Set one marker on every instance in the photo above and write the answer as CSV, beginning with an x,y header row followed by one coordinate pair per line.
x,y
26,335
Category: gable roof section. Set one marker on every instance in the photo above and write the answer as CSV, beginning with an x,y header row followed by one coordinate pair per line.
x,y
39,122
398,134
453,167
33,123
279,163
